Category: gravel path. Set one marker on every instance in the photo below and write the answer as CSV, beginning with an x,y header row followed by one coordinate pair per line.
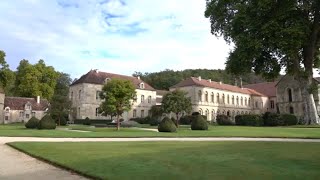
x,y
15,165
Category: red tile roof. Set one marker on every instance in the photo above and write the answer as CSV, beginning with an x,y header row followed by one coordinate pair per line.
x,y
267,88
18,103
97,77
216,85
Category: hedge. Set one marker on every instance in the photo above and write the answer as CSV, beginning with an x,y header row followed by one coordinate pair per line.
x,y
249,120
273,119
166,125
93,121
32,123
224,120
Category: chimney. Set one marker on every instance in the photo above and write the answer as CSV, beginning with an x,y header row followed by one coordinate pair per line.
x,y
138,77
241,82
199,78
38,99
209,80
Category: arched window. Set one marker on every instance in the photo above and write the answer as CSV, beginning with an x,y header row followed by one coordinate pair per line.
x,y
218,98
142,98
223,99
200,96
212,115
200,111
241,101
207,114
242,112
223,112
232,99
228,99
290,95
218,112
206,96
238,112
149,99
228,113
141,85
245,101
212,97
249,102
237,99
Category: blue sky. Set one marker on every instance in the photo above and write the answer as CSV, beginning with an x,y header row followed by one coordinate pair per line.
x,y
119,36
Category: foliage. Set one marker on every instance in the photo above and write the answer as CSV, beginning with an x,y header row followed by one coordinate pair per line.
x,y
35,80
167,78
62,121
7,77
186,120
129,124
155,121
117,95
140,120
86,121
249,120
176,102
47,123
32,123
198,123
273,119
174,121
289,119
156,111
224,120
166,125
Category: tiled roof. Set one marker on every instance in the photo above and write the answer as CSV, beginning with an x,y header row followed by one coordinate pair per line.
x,y
267,88
18,103
216,85
97,77
162,92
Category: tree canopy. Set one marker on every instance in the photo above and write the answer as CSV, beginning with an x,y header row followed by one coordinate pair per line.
x,y
176,102
7,77
117,95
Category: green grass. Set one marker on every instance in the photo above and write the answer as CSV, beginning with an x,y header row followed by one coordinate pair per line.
x,y
183,160
183,131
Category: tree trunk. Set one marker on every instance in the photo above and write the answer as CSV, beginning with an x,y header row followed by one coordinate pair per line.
x,y
177,120
310,111
118,123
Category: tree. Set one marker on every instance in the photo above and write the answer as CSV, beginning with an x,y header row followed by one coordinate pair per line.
x,y
60,105
7,76
156,111
176,102
35,80
270,35
117,95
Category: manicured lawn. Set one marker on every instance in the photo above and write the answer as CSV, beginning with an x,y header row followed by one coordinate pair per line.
x,y
183,160
183,131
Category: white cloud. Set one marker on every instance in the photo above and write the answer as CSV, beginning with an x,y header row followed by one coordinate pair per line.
x,y
113,36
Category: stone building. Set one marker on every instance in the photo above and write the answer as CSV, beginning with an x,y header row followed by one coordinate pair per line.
x,y
211,98
84,95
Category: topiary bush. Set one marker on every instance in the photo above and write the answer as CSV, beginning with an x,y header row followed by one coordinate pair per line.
x,y
166,125
272,119
47,123
86,121
155,121
32,123
199,123
289,119
249,120
186,120
174,121
223,120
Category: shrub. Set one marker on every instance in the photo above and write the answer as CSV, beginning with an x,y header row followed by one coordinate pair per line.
x,y
166,125
47,123
289,119
198,123
155,121
63,121
195,114
32,123
186,120
249,120
224,120
174,121
86,121
272,119
129,124
145,120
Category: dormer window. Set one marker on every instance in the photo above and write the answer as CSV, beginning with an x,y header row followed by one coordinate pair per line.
x,y
141,85
28,106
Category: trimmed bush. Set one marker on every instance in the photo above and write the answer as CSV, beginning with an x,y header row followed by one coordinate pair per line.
x,y
186,120
86,121
224,120
174,121
129,124
155,121
195,114
198,123
289,119
32,123
47,123
166,125
145,120
272,119
249,120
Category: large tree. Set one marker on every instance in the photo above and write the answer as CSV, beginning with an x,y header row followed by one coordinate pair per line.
x,y
269,35
60,104
7,76
117,95
176,102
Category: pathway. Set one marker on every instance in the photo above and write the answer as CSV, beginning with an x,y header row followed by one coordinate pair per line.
x,y
16,165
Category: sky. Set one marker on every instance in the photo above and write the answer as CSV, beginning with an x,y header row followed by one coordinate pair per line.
x,y
117,36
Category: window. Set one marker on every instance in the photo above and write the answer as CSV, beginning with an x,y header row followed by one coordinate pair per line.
x,y
149,99
97,112
237,99
241,101
249,102
79,111
6,118
141,85
272,104
207,114
21,114
33,114
245,101
142,98
200,111
206,97
256,104
98,95
212,97
79,94
134,113
228,99
71,95
27,116
218,98
135,98
142,113
291,110
290,95
228,113
200,95
223,100
232,99
212,115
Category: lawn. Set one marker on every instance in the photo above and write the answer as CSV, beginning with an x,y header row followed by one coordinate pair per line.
x,y
184,131
183,160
